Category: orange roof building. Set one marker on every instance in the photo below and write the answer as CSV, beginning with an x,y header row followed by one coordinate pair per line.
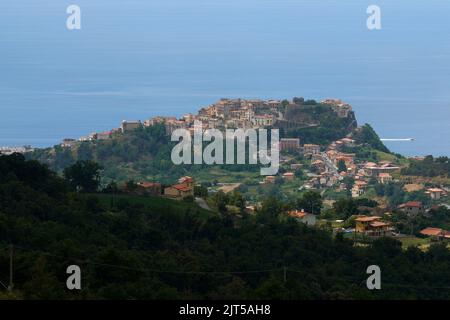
x,y
372,226
436,233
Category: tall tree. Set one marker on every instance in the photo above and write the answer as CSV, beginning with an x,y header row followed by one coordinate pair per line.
x,y
341,166
310,201
83,176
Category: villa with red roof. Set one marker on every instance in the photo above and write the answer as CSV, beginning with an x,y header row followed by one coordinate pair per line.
x,y
184,188
373,226
411,207
436,233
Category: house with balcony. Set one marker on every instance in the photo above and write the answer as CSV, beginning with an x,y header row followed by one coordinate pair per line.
x,y
373,226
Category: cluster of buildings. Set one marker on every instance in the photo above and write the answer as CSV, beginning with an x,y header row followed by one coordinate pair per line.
x,y
223,114
183,188
376,226
287,176
95,136
341,108
10,150
332,165
226,113
366,171
326,163
293,145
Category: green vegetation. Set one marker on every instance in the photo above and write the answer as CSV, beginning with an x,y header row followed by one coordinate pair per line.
x,y
311,202
368,137
132,247
341,166
428,167
395,194
438,217
84,175
330,127
144,152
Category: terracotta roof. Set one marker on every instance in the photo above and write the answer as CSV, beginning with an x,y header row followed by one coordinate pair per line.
x,y
416,204
370,164
181,187
389,165
185,179
298,214
377,224
432,231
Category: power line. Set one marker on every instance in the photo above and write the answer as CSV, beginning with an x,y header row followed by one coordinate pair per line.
x,y
354,280
3,285
149,269
11,269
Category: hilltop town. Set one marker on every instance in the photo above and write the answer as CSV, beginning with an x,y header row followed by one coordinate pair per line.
x,y
347,163
339,192
234,113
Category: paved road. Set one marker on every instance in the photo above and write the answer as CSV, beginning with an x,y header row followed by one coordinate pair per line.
x,y
329,164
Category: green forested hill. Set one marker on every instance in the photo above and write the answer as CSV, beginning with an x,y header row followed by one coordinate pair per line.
x,y
154,248
142,153
329,126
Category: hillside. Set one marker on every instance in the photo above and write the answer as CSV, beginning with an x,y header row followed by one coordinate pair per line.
x,y
147,248
135,155
144,153
317,123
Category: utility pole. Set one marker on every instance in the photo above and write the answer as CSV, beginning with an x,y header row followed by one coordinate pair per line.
x,y
11,256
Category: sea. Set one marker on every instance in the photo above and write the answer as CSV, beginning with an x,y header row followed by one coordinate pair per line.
x,y
136,59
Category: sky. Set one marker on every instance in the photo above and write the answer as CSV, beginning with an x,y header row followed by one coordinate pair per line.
x,y
146,58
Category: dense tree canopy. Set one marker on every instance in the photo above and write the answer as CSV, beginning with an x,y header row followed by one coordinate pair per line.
x,y
367,136
142,247
84,176
429,167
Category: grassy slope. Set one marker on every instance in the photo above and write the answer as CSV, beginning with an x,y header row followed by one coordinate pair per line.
x,y
154,203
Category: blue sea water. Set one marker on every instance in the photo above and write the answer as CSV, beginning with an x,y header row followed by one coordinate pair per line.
x,y
138,58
